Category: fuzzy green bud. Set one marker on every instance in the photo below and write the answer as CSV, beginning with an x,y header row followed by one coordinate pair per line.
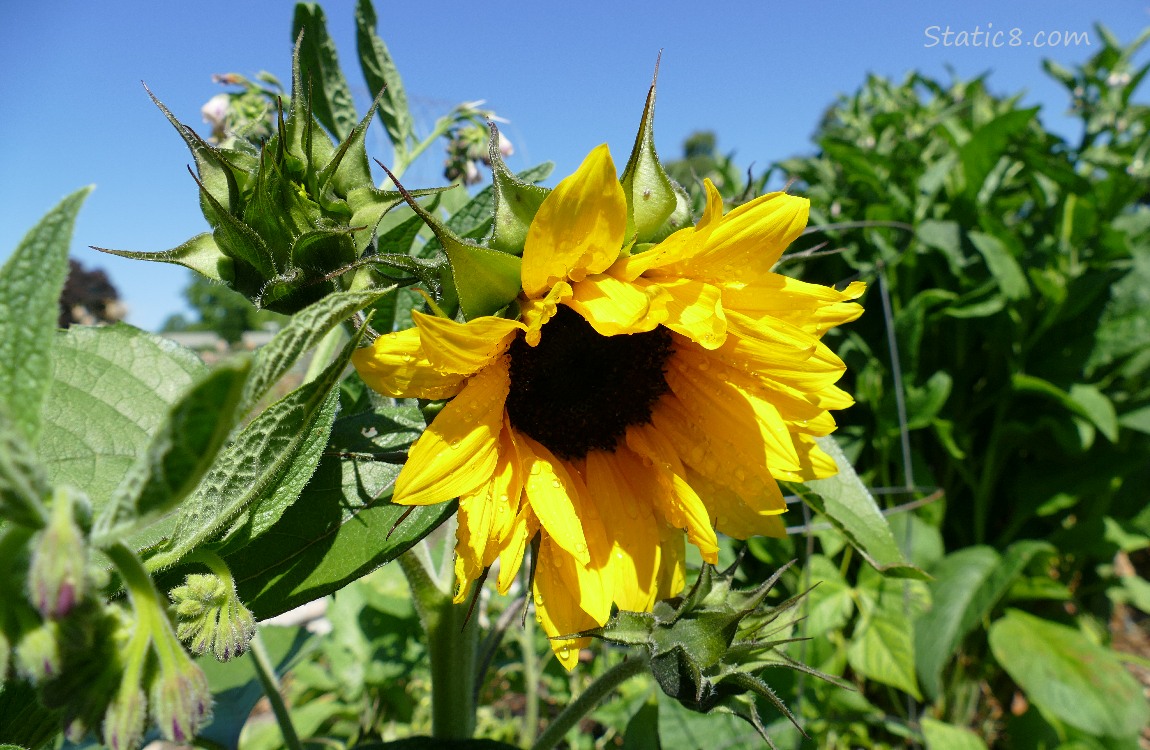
x,y
210,617
58,573
124,719
38,656
181,700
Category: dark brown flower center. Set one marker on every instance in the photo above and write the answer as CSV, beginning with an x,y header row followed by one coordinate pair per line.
x,y
577,390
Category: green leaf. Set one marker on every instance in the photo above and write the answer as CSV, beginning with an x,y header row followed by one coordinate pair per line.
x,y
680,729
23,720
1069,676
181,450
200,253
112,388
848,504
30,285
23,486
989,143
329,94
650,194
304,330
882,649
382,76
958,578
1003,266
343,526
1083,400
940,736
830,602
263,470
1096,407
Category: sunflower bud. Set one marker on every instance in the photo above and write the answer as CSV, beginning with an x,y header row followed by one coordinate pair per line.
x,y
704,647
58,573
289,219
210,616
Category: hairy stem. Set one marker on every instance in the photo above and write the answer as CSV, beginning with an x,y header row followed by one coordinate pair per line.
x,y
267,675
587,700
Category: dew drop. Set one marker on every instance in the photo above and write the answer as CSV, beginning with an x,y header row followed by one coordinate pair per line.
x,y
705,364
536,468
454,442
556,483
564,653
539,600
580,548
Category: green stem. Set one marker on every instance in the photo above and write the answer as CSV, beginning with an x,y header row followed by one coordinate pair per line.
x,y
452,643
588,700
267,675
530,682
215,563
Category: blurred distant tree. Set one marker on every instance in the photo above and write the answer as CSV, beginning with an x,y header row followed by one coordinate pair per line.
x,y
221,310
89,298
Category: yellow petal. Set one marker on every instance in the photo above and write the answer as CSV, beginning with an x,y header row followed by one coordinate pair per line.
x,y
506,488
525,526
812,307
750,423
695,310
614,307
781,352
803,411
748,241
632,531
672,561
732,515
463,348
459,450
396,365
678,503
711,455
475,515
816,464
579,228
555,496
536,312
569,598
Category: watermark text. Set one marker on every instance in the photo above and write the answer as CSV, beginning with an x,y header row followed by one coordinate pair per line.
x,y
1002,38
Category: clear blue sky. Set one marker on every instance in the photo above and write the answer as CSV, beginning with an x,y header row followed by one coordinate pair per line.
x,y
567,75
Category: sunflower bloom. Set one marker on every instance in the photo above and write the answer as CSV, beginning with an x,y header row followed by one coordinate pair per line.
x,y
641,401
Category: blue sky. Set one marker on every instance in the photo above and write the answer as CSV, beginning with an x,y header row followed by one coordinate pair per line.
x,y
567,75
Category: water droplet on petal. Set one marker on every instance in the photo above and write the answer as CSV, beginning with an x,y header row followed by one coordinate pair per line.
x,y
564,653
580,548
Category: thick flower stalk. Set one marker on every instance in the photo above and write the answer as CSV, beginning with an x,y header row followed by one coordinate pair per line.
x,y
641,400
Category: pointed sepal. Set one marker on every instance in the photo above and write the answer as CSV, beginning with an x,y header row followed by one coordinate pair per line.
x,y
515,202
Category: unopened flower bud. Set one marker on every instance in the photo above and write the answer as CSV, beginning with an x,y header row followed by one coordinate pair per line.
x,y
58,574
211,617
124,719
38,653
181,700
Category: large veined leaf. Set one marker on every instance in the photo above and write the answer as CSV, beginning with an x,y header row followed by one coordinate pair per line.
x,y
30,285
848,504
1069,676
319,65
343,526
263,470
111,388
181,450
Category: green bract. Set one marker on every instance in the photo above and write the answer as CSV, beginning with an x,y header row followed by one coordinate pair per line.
x,y
289,220
703,648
